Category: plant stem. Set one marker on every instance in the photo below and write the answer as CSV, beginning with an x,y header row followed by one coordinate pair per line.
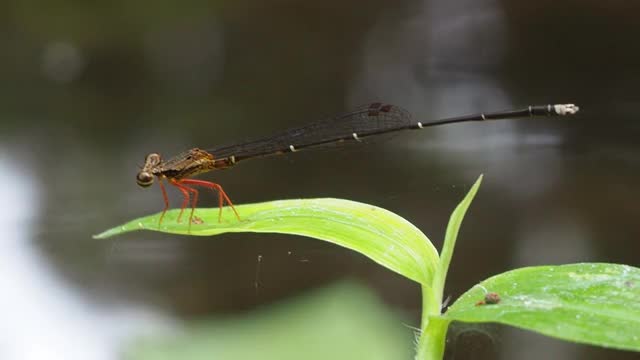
x,y
433,329
432,339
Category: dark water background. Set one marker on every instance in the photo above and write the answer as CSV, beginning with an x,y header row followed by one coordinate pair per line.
x,y
88,89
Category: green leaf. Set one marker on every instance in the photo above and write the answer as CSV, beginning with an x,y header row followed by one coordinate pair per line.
x,y
381,235
453,227
434,329
592,303
344,321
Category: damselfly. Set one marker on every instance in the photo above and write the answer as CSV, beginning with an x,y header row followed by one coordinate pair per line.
x,y
370,120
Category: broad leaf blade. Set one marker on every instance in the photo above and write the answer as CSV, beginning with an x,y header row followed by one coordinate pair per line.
x,y
379,234
593,303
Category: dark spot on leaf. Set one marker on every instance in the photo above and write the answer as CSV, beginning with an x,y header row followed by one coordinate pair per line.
x,y
491,298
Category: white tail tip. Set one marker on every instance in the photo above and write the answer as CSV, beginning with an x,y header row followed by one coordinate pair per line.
x,y
566,109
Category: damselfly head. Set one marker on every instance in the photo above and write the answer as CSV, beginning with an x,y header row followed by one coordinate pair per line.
x,y
144,179
145,176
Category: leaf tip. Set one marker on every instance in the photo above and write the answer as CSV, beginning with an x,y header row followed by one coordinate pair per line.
x,y
103,235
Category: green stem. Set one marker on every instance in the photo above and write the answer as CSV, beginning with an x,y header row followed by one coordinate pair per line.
x,y
432,339
433,329
430,306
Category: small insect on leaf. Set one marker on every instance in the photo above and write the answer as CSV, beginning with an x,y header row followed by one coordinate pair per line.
x,y
491,298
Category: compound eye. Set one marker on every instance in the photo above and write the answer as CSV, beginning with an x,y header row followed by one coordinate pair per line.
x,y
144,179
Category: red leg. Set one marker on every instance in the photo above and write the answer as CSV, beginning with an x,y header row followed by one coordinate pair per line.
x,y
166,201
222,196
193,204
186,189
185,193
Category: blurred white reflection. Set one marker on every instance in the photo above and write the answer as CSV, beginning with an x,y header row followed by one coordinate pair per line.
x,y
436,60
443,61
465,34
42,317
62,62
438,64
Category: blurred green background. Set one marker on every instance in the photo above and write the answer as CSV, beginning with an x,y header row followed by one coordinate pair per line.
x,y
87,89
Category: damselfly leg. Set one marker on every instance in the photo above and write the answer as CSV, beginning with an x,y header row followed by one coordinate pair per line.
x,y
190,195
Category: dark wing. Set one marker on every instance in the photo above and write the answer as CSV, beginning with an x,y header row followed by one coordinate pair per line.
x,y
365,121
